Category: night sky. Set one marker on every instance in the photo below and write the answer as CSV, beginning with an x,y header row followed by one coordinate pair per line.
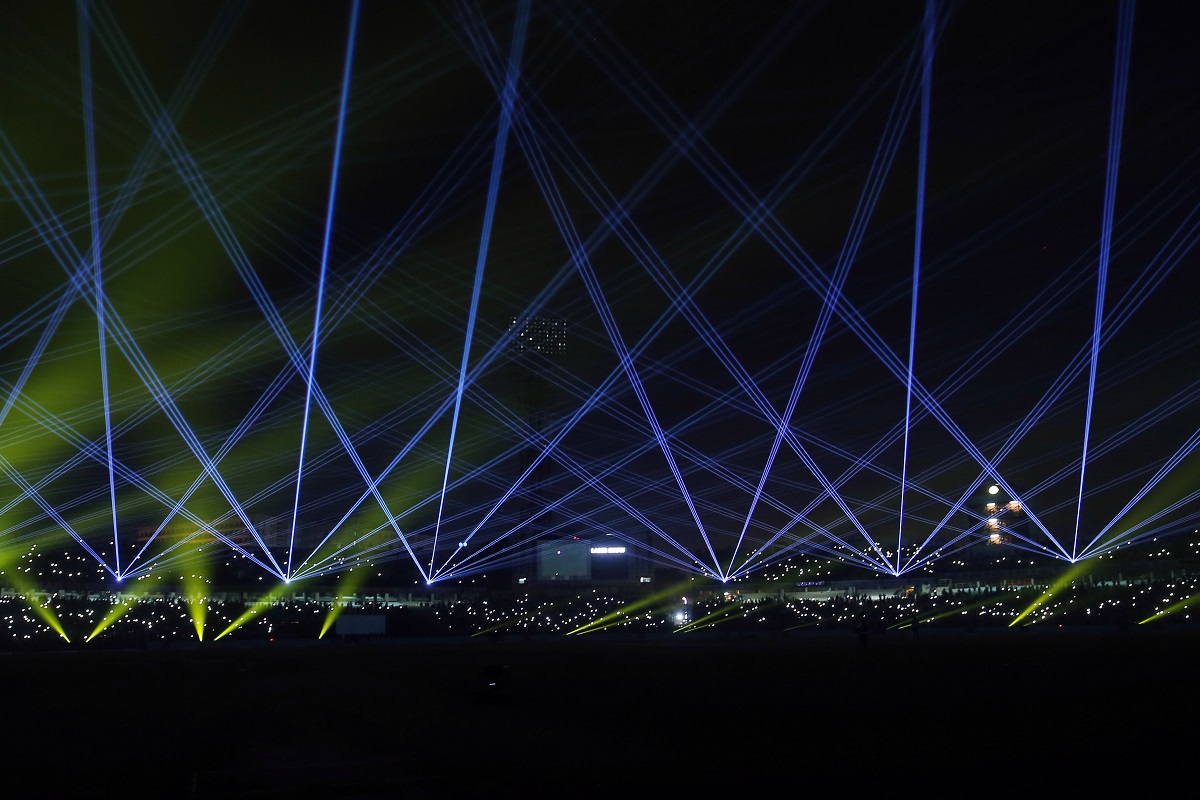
x,y
681,185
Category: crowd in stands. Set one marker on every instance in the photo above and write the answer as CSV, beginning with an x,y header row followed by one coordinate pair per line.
x,y
74,618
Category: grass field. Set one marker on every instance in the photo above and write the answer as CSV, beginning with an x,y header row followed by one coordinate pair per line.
x,y
600,717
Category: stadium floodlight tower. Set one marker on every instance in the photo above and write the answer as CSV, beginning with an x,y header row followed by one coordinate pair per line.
x,y
998,519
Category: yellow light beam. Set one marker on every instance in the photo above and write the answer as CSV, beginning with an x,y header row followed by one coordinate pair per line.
x,y
1072,573
352,580
1171,609
256,608
29,594
808,624
115,612
722,614
960,609
613,623
637,605
195,596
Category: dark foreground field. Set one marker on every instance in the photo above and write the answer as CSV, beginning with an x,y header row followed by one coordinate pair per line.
x,y
937,715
